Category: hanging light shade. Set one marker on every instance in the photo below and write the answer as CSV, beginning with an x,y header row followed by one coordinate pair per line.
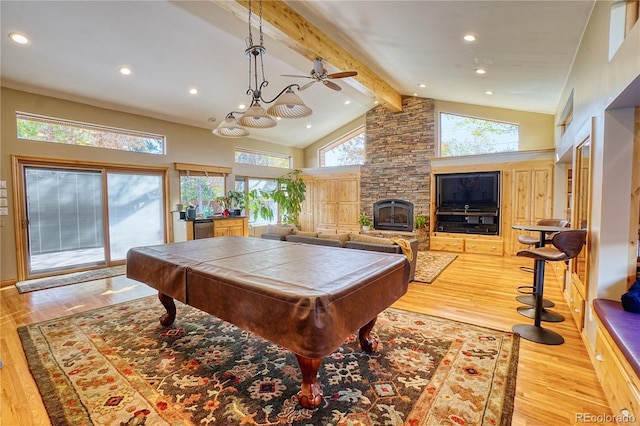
x,y
229,128
289,105
257,117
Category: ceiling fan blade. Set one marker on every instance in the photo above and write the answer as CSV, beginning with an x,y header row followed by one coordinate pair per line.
x,y
343,74
298,76
331,85
306,85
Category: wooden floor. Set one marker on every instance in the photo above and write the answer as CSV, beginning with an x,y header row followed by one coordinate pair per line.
x,y
554,384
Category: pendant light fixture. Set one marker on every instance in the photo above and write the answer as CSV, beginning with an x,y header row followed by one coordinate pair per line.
x,y
287,103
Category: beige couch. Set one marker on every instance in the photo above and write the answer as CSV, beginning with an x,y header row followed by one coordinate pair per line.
x,y
352,241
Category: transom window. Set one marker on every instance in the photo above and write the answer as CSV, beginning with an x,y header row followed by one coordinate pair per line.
x,y
461,135
269,159
344,151
47,129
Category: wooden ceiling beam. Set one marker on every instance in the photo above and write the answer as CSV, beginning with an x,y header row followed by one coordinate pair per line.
x,y
289,27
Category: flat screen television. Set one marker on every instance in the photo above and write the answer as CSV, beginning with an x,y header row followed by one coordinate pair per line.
x,y
478,191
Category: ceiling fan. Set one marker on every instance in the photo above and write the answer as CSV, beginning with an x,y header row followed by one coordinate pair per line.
x,y
318,73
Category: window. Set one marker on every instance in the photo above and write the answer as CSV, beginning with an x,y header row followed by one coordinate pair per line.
x,y
264,185
81,216
47,129
347,150
200,185
460,135
244,156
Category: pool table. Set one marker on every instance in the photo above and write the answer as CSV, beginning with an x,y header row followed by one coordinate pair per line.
x,y
306,298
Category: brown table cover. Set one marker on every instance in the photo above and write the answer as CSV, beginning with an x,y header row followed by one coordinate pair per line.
x,y
305,298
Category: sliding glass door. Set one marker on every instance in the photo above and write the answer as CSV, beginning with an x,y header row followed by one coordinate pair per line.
x,y
135,212
82,218
65,219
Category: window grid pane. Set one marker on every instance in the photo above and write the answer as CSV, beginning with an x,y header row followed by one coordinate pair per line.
x,y
460,135
47,129
262,159
347,150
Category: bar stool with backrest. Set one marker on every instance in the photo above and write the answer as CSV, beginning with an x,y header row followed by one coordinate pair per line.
x,y
528,297
565,246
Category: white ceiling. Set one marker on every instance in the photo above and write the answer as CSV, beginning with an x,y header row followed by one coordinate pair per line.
x,y
77,47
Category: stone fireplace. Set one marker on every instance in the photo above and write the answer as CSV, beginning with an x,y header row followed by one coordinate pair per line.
x,y
393,215
398,155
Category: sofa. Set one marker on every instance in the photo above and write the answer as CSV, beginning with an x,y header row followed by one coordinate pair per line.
x,y
350,241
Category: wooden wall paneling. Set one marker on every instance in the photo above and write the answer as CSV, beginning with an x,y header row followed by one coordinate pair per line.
x,y
306,218
336,203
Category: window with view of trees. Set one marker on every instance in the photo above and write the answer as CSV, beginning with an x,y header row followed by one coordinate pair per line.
x,y
245,156
460,135
347,150
201,191
47,129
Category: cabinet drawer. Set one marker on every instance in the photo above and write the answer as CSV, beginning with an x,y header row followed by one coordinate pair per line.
x,y
227,223
447,244
473,245
621,391
576,304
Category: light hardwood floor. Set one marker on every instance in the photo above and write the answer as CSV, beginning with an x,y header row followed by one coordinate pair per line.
x,y
554,383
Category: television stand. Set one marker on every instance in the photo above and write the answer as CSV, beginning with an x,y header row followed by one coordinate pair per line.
x,y
468,221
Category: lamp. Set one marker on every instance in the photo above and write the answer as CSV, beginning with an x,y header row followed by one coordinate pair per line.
x,y
287,103
229,128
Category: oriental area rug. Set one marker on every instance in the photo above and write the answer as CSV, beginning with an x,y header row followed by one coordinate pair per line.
x,y
68,279
431,264
118,366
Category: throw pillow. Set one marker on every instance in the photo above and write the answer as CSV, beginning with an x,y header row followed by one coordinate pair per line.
x,y
304,233
369,239
343,238
631,299
280,229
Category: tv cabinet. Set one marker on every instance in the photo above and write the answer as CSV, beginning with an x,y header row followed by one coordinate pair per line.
x,y
469,243
470,221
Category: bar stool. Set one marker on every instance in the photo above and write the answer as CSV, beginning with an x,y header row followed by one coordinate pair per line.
x,y
528,297
566,245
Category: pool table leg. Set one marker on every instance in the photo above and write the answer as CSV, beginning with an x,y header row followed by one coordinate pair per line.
x,y
310,395
168,303
367,343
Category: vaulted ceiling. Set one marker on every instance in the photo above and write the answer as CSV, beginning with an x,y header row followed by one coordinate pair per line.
x,y
76,49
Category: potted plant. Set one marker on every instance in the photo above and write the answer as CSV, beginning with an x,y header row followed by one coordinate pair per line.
x,y
224,203
422,222
290,195
237,201
364,221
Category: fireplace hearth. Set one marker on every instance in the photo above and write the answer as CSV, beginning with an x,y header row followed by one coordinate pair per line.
x,y
393,215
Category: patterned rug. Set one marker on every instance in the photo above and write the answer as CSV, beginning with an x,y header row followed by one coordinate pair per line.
x,y
68,279
431,264
118,366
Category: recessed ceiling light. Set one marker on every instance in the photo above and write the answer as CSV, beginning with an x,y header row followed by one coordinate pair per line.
x,y
347,102
375,102
19,38
481,71
125,70
308,126
278,118
488,92
242,106
422,85
470,37
415,94
193,91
